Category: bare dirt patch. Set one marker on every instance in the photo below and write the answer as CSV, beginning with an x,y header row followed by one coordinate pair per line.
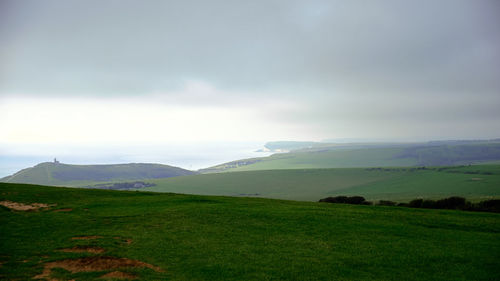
x,y
127,241
84,249
63,210
476,179
93,264
90,237
24,207
119,275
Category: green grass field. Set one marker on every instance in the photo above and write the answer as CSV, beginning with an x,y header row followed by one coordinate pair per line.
x,y
342,158
476,182
376,157
188,237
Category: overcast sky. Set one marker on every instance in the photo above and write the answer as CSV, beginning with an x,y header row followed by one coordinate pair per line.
x,y
173,71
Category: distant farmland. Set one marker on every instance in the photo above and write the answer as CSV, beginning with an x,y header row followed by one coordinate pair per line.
x,y
473,182
371,155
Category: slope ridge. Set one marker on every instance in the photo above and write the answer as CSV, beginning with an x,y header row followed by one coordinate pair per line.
x,y
49,173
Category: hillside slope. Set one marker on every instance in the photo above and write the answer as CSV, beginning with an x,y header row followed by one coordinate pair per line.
x,y
186,237
371,155
400,184
59,174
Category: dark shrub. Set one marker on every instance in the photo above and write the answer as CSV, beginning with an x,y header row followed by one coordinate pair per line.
x,y
344,199
340,199
416,203
386,203
468,206
488,206
355,200
429,204
337,199
453,202
367,203
326,200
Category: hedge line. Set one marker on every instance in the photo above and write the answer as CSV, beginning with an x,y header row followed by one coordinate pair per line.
x,y
453,203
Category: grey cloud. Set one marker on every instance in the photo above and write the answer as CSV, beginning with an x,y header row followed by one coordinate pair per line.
x,y
115,46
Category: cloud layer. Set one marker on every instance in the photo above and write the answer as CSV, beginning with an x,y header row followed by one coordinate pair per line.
x,y
295,69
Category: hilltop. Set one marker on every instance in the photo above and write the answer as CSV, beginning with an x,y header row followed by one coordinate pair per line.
x,y
59,174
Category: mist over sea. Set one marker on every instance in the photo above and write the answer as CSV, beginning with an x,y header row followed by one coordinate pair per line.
x,y
192,156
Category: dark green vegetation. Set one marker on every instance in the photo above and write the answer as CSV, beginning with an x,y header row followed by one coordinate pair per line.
x,y
81,175
371,155
456,203
476,182
221,238
355,200
450,203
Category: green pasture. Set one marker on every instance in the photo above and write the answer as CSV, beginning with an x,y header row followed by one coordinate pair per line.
x,y
191,237
475,182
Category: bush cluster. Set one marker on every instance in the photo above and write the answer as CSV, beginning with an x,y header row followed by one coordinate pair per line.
x,y
457,203
454,203
356,200
386,203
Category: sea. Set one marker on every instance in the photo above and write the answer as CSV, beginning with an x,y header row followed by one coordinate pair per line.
x,y
187,155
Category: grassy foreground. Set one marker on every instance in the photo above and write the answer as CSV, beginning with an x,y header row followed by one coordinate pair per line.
x,y
221,238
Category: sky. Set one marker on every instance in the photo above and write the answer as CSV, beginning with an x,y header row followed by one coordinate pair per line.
x,y
120,72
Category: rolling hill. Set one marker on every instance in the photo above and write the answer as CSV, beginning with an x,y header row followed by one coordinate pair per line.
x,y
58,174
445,153
396,183
86,234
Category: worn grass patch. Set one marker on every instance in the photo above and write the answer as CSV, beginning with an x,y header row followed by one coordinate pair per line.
x,y
83,249
92,264
119,275
23,207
